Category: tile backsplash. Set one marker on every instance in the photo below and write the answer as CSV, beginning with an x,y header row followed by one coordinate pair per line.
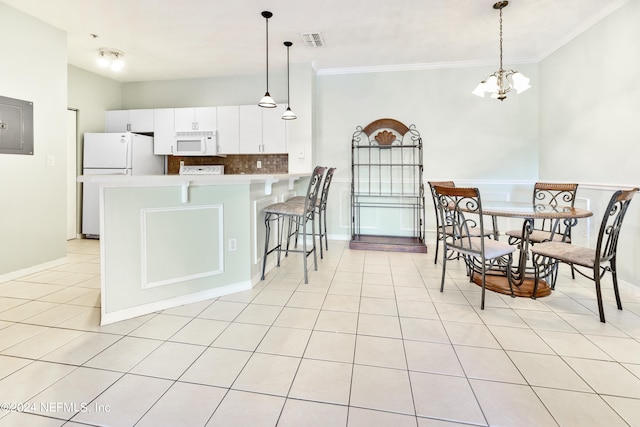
x,y
234,163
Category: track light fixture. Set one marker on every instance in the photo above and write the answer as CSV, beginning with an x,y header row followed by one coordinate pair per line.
x,y
110,58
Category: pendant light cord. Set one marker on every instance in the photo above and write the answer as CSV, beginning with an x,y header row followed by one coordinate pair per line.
x,y
288,92
267,31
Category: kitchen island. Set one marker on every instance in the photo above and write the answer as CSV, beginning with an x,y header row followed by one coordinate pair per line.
x,y
170,240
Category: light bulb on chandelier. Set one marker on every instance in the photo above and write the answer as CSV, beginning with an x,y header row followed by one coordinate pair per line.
x,y
502,81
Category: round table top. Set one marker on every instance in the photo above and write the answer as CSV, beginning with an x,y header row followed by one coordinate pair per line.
x,y
530,210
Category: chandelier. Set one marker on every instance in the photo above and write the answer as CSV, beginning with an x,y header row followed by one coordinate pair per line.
x,y
502,81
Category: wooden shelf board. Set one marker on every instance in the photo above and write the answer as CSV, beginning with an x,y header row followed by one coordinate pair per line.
x,y
388,243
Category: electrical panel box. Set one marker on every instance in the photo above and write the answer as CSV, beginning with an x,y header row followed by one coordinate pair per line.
x,y
16,126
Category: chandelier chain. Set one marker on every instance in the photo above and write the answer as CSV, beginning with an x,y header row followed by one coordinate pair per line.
x,y
500,39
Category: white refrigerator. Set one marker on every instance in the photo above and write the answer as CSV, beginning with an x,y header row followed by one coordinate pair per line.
x,y
113,154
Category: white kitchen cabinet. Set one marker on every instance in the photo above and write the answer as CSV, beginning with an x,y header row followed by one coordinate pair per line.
x,y
262,130
250,129
163,132
195,119
140,120
274,130
228,129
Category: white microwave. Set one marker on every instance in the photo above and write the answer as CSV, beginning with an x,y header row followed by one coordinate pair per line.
x,y
195,144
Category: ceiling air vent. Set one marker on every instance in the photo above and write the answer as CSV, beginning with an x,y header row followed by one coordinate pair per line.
x,y
312,39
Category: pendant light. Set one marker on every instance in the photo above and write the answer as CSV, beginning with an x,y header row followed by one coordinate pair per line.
x,y
288,114
502,81
267,101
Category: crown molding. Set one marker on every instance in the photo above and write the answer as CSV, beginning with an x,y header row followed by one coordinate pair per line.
x,y
419,67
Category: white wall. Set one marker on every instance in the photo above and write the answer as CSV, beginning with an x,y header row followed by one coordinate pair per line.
x,y
589,121
91,95
590,104
33,192
464,136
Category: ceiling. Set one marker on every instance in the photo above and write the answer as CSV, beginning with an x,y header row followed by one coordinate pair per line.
x,y
171,39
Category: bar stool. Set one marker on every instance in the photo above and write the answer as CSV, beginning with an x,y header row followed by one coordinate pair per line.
x,y
300,214
321,211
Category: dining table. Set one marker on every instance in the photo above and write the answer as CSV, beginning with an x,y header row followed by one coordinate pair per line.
x,y
521,279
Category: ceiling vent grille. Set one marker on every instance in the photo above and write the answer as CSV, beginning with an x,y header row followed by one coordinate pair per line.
x,y
312,39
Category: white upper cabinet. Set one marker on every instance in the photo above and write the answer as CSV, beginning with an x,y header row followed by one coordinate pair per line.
x,y
229,129
250,129
163,132
262,130
274,130
195,119
240,129
130,121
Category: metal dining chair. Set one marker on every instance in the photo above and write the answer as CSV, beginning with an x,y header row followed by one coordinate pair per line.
x,y
301,214
599,260
479,252
443,226
553,194
441,223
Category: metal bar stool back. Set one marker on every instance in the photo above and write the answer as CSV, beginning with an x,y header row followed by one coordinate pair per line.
x,y
300,214
322,209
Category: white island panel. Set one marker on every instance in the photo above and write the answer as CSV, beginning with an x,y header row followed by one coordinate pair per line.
x,y
150,238
181,243
164,241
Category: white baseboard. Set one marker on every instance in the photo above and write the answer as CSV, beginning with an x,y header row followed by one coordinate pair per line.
x,y
32,270
117,316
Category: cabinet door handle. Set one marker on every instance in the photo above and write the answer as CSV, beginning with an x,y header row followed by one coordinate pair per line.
x,y
129,127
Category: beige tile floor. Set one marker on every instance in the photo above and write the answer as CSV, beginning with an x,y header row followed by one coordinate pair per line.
x,y
370,341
